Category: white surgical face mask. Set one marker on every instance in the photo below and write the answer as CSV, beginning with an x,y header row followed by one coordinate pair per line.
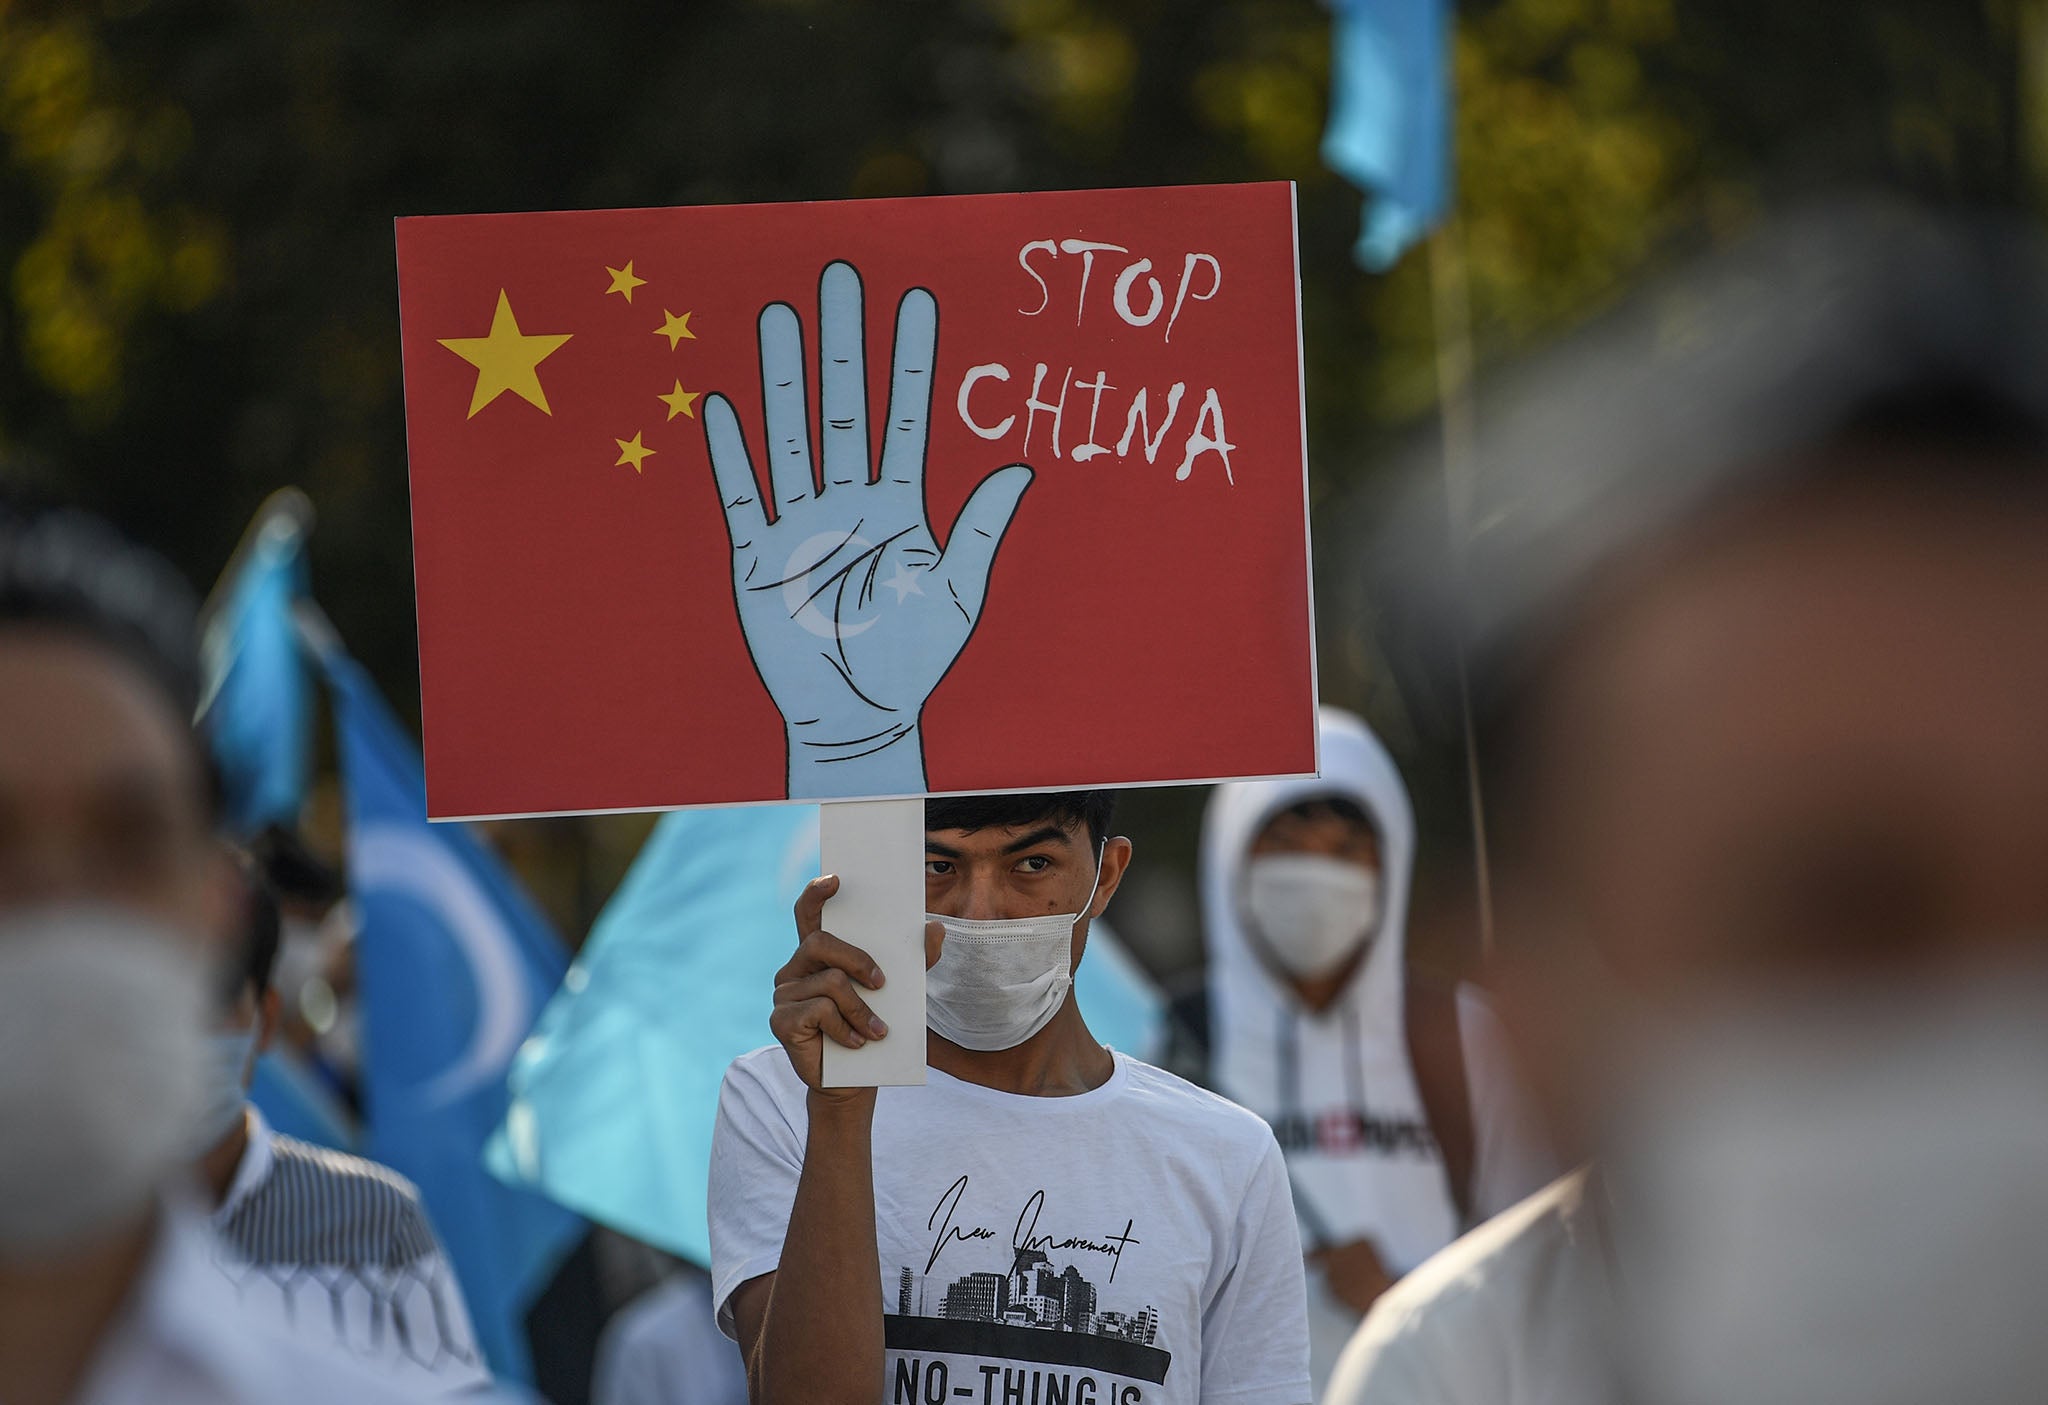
x,y
228,1053
102,1062
1311,910
1838,1200
1001,980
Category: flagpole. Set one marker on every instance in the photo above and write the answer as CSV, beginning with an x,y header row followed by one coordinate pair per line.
x,y
1451,306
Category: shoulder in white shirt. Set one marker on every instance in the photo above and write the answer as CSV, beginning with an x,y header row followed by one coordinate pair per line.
x,y
338,1250
1507,1315
183,1339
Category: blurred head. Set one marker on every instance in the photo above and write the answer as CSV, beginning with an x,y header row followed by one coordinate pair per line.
x,y
105,794
247,1009
112,892
1016,879
1772,808
1312,893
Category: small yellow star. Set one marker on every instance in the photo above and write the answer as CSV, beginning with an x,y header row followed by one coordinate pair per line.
x,y
631,451
680,401
674,328
505,360
623,280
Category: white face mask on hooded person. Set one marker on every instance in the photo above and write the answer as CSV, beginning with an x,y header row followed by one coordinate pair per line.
x,y
1312,911
102,1065
998,981
1835,1199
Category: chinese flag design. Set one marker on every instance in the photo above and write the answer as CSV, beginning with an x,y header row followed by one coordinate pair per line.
x,y
746,503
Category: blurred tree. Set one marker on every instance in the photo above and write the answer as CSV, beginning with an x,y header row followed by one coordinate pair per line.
x,y
196,195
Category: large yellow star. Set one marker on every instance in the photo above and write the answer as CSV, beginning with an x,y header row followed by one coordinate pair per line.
x,y
674,328
505,360
631,451
680,401
623,280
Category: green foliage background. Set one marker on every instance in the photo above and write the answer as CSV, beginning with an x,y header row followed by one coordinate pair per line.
x,y
196,200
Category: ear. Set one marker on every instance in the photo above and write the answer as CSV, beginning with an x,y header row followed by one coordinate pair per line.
x,y
268,1013
1116,862
223,899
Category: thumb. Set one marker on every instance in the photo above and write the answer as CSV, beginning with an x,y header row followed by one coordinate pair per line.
x,y
971,549
934,939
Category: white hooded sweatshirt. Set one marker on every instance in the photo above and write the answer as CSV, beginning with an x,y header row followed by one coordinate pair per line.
x,y
1336,1086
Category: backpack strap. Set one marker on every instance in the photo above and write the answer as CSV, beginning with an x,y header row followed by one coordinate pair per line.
x,y
1436,1053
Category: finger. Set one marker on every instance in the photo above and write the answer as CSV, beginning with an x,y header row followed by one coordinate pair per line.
x,y
810,903
821,951
934,940
818,1016
971,549
734,472
836,987
842,375
910,391
782,396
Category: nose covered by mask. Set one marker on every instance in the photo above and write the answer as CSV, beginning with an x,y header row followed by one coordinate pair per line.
x,y
102,1070
1836,1200
998,981
1312,911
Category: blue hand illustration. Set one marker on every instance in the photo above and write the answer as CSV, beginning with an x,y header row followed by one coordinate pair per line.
x,y
851,610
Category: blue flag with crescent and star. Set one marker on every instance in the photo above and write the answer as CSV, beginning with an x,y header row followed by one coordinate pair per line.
x,y
614,1097
453,965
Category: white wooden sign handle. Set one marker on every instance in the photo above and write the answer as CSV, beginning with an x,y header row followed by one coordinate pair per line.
x,y
877,849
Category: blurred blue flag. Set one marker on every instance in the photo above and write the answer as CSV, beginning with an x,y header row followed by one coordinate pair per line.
x,y
453,963
258,701
615,1095
1390,118
294,1101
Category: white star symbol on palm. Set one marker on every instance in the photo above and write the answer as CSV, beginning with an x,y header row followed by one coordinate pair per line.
x,y
904,583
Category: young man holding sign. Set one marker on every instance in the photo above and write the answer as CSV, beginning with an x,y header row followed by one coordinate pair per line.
x,y
1045,1220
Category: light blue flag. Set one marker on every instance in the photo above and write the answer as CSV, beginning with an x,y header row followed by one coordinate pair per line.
x,y
615,1095
258,701
453,964
1390,118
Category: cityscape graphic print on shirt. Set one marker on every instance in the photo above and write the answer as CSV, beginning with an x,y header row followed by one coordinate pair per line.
x,y
1040,1333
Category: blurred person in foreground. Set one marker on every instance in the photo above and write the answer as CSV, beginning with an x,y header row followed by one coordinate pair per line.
x,y
664,1348
1762,619
1044,1218
115,900
331,1247
1389,1090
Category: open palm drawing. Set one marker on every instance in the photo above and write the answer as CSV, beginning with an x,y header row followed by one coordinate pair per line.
x,y
851,609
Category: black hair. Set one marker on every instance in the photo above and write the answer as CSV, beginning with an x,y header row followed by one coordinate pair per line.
x,y
1344,807
72,573
254,964
294,872
1093,809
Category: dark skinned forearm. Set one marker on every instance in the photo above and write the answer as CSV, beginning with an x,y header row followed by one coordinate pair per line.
x,y
821,1338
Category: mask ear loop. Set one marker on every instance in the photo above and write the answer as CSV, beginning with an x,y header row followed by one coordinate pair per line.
x,y
1096,886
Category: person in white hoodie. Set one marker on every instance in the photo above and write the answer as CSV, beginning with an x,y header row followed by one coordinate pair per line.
x,y
1388,1090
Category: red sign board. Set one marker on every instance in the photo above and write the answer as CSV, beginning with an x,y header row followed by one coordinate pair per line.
x,y
869,498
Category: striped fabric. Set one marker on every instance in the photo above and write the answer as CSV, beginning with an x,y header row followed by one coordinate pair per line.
x,y
339,1248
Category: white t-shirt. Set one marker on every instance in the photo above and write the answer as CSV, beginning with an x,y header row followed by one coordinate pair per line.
x,y
1509,1315
1131,1245
664,1348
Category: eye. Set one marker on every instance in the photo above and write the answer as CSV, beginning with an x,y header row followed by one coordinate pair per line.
x,y
937,868
1035,863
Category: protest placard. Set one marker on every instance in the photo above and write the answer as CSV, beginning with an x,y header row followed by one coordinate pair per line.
x,y
857,500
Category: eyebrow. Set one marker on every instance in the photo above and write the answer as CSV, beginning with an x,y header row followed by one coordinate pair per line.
x,y
1044,834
